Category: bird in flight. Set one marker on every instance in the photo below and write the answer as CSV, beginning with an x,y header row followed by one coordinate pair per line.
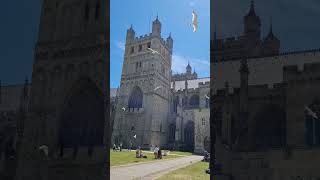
x,y
123,108
207,97
153,51
310,112
194,21
45,149
135,136
157,88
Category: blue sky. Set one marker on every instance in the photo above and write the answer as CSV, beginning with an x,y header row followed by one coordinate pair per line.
x,y
175,15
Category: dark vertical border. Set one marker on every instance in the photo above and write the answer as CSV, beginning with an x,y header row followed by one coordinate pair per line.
x,y
107,81
212,121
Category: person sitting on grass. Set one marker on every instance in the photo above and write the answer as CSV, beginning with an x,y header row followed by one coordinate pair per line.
x,y
137,153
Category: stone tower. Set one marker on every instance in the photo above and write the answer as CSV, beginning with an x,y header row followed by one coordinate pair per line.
x,y
67,105
143,105
271,44
252,32
252,24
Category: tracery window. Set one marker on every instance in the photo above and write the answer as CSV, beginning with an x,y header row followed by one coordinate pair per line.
x,y
136,98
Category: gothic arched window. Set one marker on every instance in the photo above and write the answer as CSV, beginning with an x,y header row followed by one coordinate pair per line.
x,y
194,100
136,98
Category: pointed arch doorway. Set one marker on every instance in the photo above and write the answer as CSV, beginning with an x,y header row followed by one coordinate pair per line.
x,y
82,117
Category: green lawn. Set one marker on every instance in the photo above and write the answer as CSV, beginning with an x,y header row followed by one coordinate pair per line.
x,y
191,172
127,157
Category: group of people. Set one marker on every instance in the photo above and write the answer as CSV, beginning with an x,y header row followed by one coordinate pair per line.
x,y
157,153
139,153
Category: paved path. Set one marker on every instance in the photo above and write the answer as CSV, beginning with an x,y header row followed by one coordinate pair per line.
x,y
151,170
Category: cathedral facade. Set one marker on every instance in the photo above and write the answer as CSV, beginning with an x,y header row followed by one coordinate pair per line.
x,y
262,104
154,107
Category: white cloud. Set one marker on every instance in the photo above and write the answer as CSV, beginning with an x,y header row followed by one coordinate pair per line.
x,y
179,64
120,45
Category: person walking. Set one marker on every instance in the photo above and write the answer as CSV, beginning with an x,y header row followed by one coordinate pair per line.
x,y
159,153
155,152
114,147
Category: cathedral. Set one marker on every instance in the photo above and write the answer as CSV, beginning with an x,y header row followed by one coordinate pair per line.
x,y
266,105
56,127
152,106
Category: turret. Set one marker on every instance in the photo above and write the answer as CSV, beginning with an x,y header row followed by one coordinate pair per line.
x,y
170,42
271,43
186,84
188,69
252,24
174,85
185,99
156,28
130,34
243,113
195,75
244,74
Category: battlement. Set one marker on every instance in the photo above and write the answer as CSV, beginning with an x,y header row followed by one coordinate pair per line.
x,y
311,71
149,37
142,38
204,84
193,90
254,90
266,87
310,52
180,91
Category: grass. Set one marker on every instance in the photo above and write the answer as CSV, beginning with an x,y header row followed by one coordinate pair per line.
x,y
128,157
195,171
